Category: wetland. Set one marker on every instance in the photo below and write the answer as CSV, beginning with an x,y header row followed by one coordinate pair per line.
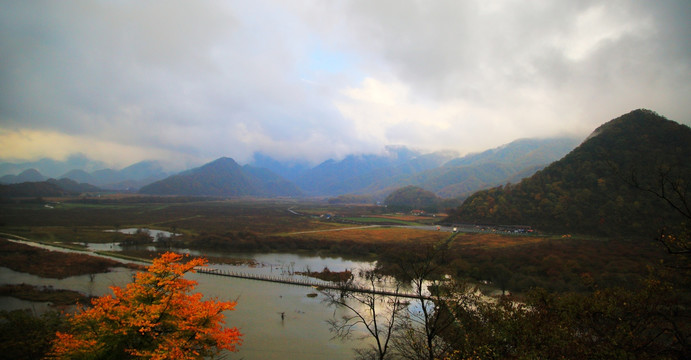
x,y
98,243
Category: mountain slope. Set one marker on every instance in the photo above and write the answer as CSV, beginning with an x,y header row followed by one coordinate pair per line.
x,y
270,184
74,187
222,177
461,176
79,176
33,189
29,175
53,168
358,173
290,170
412,198
589,190
133,176
527,152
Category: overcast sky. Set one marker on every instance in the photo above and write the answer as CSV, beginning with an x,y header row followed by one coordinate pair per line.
x,y
191,81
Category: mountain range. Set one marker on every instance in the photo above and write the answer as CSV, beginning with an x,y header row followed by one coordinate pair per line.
x,y
224,177
48,188
51,168
444,173
129,178
604,187
610,184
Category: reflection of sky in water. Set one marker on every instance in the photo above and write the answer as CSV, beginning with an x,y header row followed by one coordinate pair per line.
x,y
303,333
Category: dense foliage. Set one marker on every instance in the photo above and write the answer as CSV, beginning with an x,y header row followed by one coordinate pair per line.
x,y
412,198
154,317
591,190
651,322
649,319
24,335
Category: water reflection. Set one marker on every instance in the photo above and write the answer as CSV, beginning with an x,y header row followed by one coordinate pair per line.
x,y
278,321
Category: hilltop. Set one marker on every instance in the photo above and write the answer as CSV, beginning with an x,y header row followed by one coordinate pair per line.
x,y
591,190
223,177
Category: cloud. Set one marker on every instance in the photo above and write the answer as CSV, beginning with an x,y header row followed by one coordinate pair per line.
x,y
313,79
523,69
29,144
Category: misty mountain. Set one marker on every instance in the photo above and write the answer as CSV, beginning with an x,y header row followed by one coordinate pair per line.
x,y
48,188
358,172
29,175
223,177
131,177
590,189
53,168
83,170
444,172
460,176
526,152
290,170
79,176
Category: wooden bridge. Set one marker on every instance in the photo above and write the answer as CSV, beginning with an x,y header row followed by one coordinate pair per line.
x,y
319,284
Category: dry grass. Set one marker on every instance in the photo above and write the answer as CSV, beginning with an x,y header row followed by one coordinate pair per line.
x,y
412,218
50,264
495,240
378,235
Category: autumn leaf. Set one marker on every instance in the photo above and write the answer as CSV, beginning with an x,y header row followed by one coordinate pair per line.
x,y
154,317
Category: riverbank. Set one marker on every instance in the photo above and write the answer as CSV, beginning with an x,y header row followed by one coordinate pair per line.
x,y
57,297
52,264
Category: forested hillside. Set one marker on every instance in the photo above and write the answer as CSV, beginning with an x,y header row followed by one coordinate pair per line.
x,y
415,198
601,186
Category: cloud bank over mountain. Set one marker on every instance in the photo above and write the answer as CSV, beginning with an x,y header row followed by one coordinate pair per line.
x,y
193,81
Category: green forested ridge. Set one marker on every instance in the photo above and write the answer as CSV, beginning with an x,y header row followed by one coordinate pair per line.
x,y
591,190
414,198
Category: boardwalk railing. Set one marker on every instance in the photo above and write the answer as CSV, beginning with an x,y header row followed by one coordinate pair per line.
x,y
306,282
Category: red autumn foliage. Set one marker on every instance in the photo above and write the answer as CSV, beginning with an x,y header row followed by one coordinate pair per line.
x,y
154,317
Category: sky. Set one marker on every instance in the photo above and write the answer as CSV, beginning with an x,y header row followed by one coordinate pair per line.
x,y
186,82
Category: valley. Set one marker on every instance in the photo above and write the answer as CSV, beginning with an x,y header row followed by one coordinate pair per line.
x,y
604,226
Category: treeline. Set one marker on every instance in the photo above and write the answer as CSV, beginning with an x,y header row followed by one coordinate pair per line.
x,y
416,198
559,265
648,319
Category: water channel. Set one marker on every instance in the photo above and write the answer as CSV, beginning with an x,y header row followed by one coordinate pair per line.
x,y
301,333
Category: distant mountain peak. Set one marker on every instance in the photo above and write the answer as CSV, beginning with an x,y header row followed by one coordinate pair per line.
x,y
225,178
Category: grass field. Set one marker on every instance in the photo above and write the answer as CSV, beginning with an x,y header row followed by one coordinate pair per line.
x,y
381,220
495,240
380,235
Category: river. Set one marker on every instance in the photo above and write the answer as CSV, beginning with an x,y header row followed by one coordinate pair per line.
x,y
302,333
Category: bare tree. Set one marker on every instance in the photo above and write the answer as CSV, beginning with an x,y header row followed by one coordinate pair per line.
x,y
371,307
672,186
431,317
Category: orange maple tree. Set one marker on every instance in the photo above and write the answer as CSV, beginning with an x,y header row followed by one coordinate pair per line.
x,y
154,317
